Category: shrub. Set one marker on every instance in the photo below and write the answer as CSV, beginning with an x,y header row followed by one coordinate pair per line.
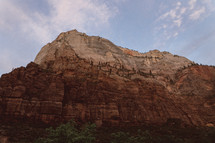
x,y
69,133
141,137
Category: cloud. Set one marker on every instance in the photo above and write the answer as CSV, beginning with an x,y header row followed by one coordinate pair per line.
x,y
178,17
42,26
209,4
197,13
183,10
63,15
192,4
67,13
178,22
175,34
168,23
178,3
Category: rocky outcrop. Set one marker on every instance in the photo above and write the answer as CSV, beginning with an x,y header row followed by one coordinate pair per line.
x,y
31,92
99,50
90,79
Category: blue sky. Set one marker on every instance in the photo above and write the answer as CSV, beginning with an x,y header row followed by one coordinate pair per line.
x,y
182,27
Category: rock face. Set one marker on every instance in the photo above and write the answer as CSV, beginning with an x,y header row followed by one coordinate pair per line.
x,y
59,54
31,92
88,78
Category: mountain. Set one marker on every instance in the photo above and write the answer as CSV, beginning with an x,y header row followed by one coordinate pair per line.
x,y
88,78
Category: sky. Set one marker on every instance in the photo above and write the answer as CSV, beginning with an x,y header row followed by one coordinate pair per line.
x,y
181,27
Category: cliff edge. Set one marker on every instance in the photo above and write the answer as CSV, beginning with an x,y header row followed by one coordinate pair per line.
x,y
88,78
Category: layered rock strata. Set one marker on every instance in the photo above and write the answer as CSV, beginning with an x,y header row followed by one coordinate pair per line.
x,y
88,78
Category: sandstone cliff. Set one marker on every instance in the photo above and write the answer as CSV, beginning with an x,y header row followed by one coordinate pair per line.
x,y
89,78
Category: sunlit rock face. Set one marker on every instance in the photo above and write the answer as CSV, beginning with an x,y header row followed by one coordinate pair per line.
x,y
72,44
88,78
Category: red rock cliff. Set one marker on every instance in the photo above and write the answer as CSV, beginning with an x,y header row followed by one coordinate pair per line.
x,y
91,79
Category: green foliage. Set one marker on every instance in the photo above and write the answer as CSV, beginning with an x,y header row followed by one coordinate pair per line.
x,y
169,133
141,137
168,139
69,133
120,137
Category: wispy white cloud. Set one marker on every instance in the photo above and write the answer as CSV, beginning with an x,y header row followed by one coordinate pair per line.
x,y
178,3
63,15
197,13
167,24
175,34
81,13
178,22
209,4
183,10
174,20
192,3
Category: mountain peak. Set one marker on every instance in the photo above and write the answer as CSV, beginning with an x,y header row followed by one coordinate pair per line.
x,y
88,78
73,45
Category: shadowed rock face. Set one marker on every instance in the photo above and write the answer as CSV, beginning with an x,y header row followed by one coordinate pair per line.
x,y
89,78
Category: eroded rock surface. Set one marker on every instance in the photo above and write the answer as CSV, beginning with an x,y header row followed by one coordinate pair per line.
x,y
99,50
88,78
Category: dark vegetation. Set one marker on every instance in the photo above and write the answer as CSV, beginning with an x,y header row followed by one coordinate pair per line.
x,y
69,133
72,132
